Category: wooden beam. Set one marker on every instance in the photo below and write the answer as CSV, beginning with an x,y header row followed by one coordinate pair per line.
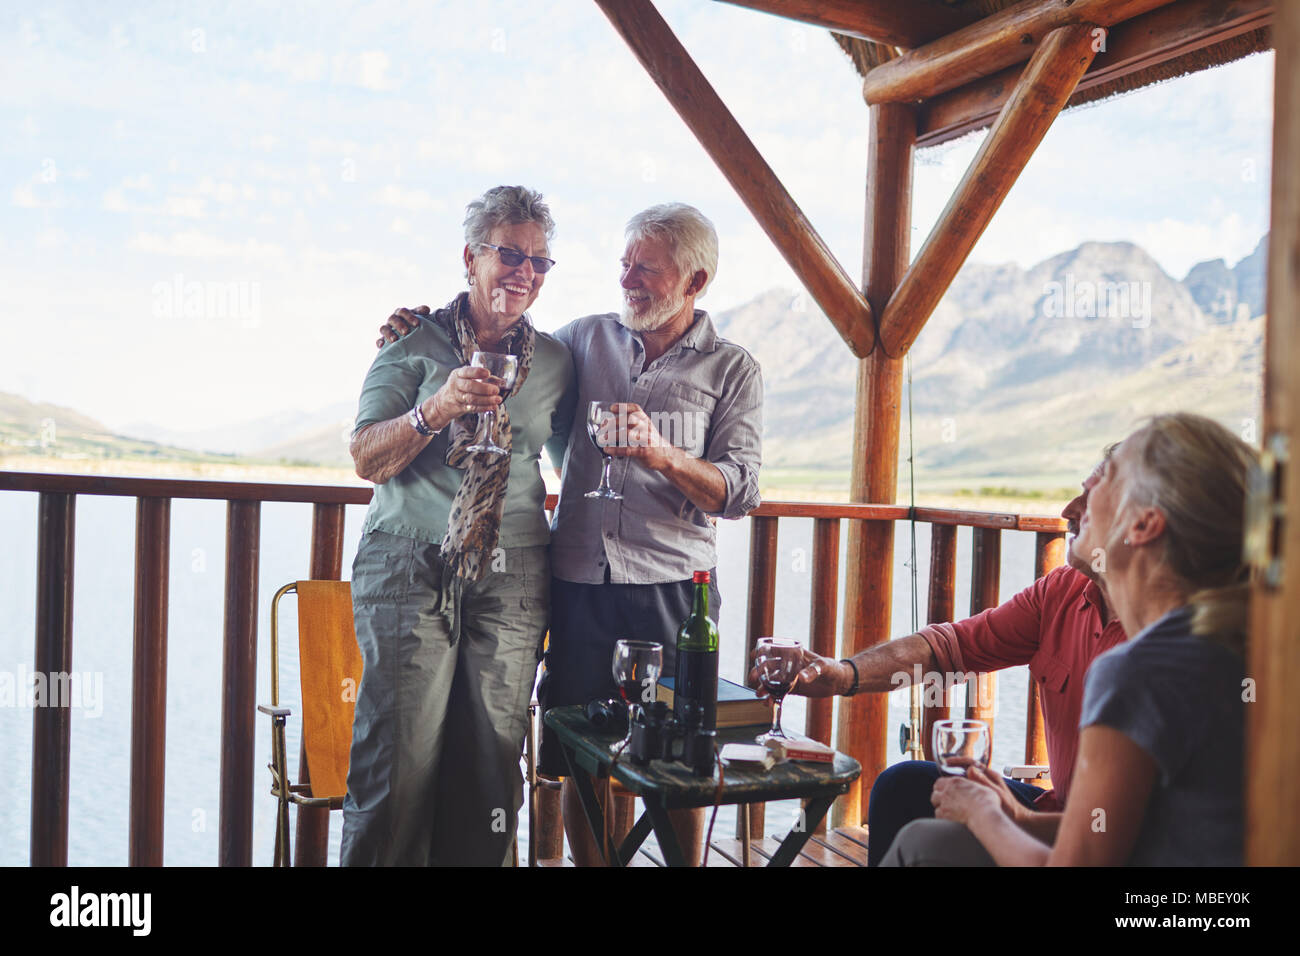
x,y
990,45
885,21
699,105
1149,40
1272,835
1042,91
868,591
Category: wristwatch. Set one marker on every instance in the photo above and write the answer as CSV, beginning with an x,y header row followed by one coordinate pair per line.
x,y
416,418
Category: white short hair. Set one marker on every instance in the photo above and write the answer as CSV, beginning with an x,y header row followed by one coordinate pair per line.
x,y
688,232
505,206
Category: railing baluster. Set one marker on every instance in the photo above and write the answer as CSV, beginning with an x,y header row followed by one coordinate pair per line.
x,y
239,684
939,610
312,835
823,615
1049,553
149,680
760,622
823,618
986,566
52,725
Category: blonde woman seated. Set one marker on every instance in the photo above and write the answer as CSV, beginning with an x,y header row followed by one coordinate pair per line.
x,y
1158,780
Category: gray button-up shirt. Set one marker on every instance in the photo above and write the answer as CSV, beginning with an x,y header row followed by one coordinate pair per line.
x,y
705,395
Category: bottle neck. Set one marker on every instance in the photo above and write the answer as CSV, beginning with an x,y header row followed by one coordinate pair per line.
x,y
700,606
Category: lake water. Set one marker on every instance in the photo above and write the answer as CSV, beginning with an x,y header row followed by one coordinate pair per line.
x,y
102,649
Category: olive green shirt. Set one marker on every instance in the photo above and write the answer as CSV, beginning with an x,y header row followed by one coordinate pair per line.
x,y
415,502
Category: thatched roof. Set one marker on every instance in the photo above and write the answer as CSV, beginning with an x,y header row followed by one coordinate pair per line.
x,y
867,54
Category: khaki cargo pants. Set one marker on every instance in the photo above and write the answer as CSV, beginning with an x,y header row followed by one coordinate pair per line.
x,y
442,709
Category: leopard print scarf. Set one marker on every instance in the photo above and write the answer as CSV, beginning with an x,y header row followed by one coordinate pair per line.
x,y
474,525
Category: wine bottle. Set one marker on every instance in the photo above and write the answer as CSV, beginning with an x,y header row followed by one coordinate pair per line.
x,y
697,657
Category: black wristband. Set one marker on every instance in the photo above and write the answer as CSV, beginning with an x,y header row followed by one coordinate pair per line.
x,y
853,688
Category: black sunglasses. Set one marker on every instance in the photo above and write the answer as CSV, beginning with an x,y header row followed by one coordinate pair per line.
x,y
513,257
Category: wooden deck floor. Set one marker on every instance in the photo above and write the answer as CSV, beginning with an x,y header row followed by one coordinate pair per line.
x,y
845,846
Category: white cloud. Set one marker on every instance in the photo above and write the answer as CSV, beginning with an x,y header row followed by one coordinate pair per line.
x,y
33,196
296,64
197,245
414,200
185,207
367,69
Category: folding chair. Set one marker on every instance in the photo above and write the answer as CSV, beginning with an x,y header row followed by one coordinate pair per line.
x,y
329,666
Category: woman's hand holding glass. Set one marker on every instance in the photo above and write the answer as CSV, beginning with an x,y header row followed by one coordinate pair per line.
x,y
502,367
961,799
468,390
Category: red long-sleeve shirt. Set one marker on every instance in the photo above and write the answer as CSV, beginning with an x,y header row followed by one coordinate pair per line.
x,y
1054,626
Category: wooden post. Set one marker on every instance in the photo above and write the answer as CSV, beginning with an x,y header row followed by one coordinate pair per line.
x,y
704,113
759,622
1046,84
939,610
239,684
863,721
986,566
312,833
52,723
1273,717
149,680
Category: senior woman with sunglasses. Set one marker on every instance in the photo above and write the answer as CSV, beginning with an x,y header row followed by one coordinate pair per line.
x,y
1158,781
450,586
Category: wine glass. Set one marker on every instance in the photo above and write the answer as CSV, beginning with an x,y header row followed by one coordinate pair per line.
x,y
779,662
637,665
959,743
503,367
600,426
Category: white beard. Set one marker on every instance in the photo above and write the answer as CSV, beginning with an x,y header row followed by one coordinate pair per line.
x,y
659,314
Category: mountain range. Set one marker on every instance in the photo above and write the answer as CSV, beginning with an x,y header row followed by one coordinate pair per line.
x,y
1024,374
1019,378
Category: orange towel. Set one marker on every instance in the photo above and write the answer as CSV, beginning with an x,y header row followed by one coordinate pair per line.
x,y
330,669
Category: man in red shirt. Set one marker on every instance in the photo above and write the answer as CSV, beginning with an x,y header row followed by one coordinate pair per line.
x,y
1057,626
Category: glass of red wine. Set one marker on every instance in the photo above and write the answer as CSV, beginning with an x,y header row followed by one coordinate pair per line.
x,y
601,429
956,744
637,665
779,661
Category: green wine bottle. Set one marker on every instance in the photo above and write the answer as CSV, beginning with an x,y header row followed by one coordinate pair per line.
x,y
697,657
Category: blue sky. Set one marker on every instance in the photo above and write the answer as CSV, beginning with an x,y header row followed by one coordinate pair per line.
x,y
305,169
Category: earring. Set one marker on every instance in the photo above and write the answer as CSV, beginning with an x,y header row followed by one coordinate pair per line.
x,y
471,280
1126,542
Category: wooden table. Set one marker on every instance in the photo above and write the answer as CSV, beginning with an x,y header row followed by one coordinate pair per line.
x,y
664,786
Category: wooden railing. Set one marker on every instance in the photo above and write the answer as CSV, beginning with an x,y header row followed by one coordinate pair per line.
x,y
53,652
986,566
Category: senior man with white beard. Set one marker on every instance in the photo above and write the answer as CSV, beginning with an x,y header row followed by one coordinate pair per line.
x,y
690,408
692,403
